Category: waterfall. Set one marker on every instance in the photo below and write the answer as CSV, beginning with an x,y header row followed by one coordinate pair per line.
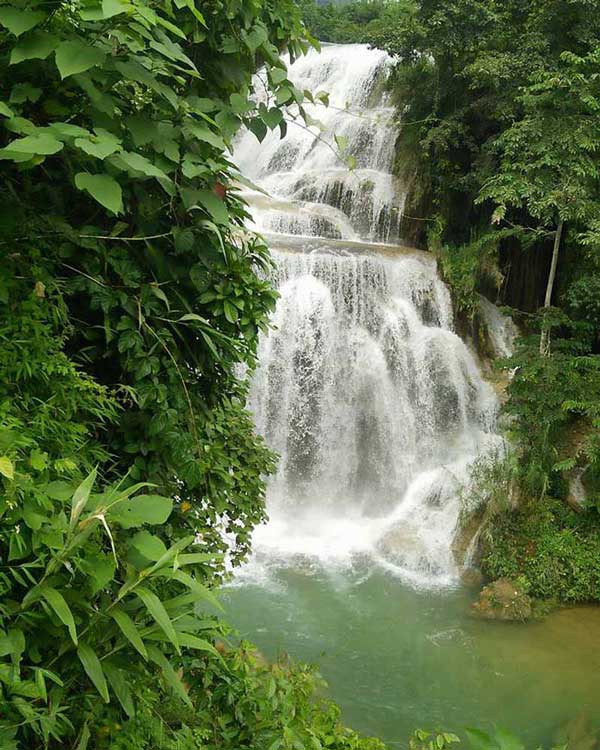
x,y
375,406
314,192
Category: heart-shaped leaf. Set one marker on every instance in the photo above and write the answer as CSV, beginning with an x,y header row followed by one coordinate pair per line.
x,y
76,57
103,188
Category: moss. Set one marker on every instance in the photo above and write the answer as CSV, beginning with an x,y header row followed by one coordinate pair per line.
x,y
546,543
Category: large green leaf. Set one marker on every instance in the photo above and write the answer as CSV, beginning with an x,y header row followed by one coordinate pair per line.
x,y
156,609
7,468
202,133
103,188
112,8
214,205
101,569
129,630
58,603
80,497
93,669
68,130
12,644
259,35
42,143
148,545
169,674
19,21
118,682
240,104
138,163
35,46
76,56
101,144
136,511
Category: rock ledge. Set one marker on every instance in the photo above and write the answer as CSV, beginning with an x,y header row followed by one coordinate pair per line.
x,y
503,600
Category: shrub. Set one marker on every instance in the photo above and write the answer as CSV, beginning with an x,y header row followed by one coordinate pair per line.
x,y
552,548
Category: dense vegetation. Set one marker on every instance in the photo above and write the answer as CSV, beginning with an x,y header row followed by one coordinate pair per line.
x,y
551,550
345,23
130,295
499,105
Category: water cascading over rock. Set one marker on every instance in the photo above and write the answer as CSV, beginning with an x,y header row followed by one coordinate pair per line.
x,y
376,407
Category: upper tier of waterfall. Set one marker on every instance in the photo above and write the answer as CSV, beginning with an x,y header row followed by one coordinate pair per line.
x,y
375,406
312,190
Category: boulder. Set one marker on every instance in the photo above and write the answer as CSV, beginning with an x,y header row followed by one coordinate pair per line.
x,y
472,578
503,600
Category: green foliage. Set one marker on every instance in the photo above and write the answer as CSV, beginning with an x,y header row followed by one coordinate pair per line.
x,y
168,299
354,21
240,701
423,740
560,395
130,297
553,548
470,267
549,160
73,604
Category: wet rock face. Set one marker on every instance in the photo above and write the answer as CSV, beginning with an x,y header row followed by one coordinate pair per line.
x,y
471,578
503,600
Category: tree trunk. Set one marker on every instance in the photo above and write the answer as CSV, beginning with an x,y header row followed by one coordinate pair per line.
x,y
545,337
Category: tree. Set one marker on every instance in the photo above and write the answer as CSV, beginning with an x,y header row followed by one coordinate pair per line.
x,y
550,158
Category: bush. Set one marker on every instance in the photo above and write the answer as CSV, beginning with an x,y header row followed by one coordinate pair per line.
x,y
550,546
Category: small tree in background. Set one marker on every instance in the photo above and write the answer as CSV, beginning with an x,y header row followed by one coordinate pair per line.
x,y
550,159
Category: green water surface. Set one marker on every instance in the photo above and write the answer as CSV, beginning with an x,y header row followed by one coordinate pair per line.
x,y
397,658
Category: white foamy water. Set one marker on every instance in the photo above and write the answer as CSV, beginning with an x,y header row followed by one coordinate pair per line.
x,y
316,193
375,406
501,328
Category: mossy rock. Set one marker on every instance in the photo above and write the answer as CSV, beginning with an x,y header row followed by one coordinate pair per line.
x,y
503,600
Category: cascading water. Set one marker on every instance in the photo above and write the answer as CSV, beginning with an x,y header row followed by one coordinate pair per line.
x,y
375,405
313,193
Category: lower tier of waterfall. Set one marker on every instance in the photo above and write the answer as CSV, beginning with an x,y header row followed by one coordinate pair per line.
x,y
375,406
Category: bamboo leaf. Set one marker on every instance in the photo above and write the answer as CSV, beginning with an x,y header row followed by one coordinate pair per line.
x,y
93,669
81,496
57,601
192,558
197,588
120,687
198,644
170,553
169,674
84,738
129,630
158,613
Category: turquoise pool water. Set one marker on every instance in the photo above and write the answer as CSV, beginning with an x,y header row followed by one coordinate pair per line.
x,y
396,658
